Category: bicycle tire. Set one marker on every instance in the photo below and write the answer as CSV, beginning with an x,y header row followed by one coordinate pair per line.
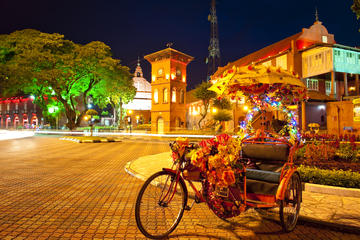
x,y
151,217
293,199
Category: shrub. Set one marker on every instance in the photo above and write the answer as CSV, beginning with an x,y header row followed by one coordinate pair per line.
x,y
338,178
346,152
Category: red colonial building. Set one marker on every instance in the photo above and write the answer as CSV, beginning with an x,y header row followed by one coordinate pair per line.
x,y
19,112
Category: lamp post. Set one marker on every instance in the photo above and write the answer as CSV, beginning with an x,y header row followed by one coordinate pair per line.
x,y
55,110
129,119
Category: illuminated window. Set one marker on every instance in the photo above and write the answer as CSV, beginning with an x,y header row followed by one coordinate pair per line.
x,y
156,96
312,84
178,72
160,72
165,95
282,62
181,96
350,58
8,106
328,87
324,39
173,95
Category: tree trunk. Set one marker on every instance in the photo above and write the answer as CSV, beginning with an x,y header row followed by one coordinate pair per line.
x,y
206,106
120,124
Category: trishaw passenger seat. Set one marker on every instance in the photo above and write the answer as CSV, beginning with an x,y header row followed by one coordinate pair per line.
x,y
266,152
269,160
267,176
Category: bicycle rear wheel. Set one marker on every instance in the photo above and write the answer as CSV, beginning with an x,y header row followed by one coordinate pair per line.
x,y
290,206
160,204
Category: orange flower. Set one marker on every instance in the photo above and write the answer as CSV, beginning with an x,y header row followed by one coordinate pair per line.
x,y
228,177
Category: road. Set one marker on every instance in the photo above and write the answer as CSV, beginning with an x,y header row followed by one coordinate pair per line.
x,y
52,189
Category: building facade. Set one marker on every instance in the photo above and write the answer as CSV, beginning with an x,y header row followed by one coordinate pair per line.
x,y
19,112
168,87
139,108
329,70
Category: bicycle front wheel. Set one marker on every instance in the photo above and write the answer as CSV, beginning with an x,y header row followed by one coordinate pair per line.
x,y
160,204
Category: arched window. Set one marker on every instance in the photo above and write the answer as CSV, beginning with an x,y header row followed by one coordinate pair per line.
x,y
173,95
182,96
138,74
165,95
156,96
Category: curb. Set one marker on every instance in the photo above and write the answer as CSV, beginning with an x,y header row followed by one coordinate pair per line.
x,y
339,191
90,141
132,172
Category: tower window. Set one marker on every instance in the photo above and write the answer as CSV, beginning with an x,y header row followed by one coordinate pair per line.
x,y
138,74
178,72
165,95
156,96
181,96
173,95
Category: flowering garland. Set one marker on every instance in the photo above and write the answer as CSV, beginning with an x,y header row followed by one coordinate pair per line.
x,y
216,159
263,102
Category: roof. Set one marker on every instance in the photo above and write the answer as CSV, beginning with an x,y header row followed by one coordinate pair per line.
x,y
302,40
275,49
167,52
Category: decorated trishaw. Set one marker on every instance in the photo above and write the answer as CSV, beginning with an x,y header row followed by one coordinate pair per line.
x,y
253,169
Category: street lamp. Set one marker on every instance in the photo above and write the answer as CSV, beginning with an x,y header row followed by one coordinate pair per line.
x,y
129,119
55,110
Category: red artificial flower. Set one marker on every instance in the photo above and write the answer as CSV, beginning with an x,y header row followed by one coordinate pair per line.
x,y
202,143
175,156
228,177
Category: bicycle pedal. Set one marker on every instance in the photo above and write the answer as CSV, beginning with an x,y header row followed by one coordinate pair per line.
x,y
187,208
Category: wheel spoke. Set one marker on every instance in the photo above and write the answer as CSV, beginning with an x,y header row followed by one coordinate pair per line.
x,y
158,208
290,206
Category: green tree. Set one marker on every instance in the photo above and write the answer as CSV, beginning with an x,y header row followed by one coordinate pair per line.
x,y
355,7
222,103
116,91
202,93
50,66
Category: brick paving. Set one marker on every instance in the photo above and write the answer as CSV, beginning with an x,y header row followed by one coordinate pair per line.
x,y
52,189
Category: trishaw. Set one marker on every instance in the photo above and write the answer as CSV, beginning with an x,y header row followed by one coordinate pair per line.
x,y
252,170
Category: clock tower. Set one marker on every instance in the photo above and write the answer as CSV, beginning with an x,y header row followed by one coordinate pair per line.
x,y
168,89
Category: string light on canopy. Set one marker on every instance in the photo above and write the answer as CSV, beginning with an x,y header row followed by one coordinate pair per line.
x,y
265,88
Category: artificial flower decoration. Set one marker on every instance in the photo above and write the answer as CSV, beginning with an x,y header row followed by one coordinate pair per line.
x,y
217,158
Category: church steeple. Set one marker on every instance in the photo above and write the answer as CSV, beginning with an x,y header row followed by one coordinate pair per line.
x,y
138,71
316,16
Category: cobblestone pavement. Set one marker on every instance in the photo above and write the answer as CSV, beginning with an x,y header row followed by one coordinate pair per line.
x,y
51,189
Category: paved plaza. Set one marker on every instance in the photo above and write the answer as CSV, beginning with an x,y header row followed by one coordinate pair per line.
x,y
52,189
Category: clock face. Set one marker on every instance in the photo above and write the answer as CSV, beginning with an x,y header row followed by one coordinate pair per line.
x,y
160,71
178,72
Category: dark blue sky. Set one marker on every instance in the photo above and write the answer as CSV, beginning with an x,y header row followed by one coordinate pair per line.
x,y
136,28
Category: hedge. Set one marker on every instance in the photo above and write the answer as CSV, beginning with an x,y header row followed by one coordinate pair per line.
x,y
338,178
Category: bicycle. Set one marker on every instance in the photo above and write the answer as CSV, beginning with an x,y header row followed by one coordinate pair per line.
x,y
162,199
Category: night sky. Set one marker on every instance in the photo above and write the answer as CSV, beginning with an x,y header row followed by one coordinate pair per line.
x,y
137,28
